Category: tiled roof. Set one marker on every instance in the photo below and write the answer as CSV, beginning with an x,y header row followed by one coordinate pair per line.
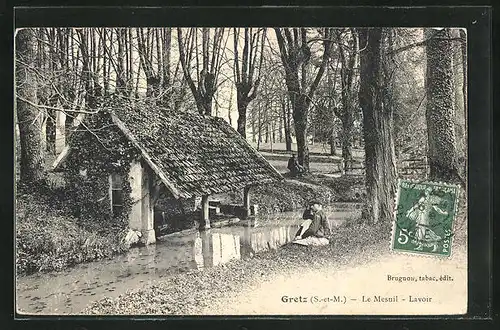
x,y
193,154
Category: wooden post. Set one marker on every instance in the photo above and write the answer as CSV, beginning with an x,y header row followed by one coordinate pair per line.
x,y
205,219
246,200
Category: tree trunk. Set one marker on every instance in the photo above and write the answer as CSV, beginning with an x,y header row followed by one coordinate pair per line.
x,y
106,65
254,133
259,123
86,73
280,126
463,47
267,126
51,131
285,124
440,115
377,126
229,107
251,64
346,114
300,121
288,128
50,121
216,106
313,134
273,132
346,134
207,105
28,116
242,114
120,70
333,150
463,37
166,81
458,96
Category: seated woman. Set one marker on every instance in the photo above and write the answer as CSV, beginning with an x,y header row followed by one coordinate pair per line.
x,y
315,223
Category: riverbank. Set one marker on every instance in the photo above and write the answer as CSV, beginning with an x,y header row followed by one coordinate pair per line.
x,y
357,261
49,238
196,291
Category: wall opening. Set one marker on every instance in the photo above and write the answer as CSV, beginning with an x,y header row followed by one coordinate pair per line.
x,y
116,194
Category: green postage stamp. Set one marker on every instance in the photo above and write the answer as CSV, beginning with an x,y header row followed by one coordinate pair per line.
x,y
425,212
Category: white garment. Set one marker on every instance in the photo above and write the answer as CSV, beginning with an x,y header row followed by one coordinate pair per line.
x,y
304,226
312,241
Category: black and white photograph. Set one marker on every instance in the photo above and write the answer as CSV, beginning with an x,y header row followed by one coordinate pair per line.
x,y
293,170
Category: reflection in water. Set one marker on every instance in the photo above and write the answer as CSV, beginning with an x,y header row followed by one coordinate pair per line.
x,y
213,248
72,290
267,238
228,246
198,251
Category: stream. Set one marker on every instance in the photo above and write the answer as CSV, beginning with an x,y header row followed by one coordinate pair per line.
x,y
71,290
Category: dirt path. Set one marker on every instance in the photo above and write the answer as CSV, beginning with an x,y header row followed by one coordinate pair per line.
x,y
369,280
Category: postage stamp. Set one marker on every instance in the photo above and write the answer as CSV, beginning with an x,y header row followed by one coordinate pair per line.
x,y
425,212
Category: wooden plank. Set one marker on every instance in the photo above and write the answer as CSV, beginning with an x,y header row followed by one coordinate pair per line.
x,y
175,192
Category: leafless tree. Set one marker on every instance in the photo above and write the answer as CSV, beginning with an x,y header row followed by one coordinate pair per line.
x,y
208,63
348,59
247,71
296,59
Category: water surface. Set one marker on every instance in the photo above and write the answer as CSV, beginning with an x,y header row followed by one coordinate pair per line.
x,y
70,291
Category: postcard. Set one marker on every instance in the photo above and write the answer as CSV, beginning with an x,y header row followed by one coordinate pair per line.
x,y
241,170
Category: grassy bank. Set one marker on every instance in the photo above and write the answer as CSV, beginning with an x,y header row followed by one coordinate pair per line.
x,y
191,292
290,195
48,238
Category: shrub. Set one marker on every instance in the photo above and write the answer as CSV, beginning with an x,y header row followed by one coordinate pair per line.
x,y
289,196
47,238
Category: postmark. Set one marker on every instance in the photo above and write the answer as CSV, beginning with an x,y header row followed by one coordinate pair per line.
x,y
424,217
